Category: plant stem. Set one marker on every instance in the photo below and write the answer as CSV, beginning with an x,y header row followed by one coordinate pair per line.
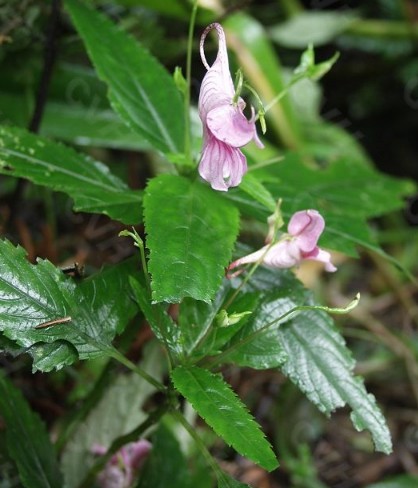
x,y
300,308
187,135
115,354
132,436
200,444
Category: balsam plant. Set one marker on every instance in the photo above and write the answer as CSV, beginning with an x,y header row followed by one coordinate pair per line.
x,y
203,313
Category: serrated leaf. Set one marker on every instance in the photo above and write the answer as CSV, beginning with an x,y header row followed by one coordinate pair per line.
x,y
59,167
118,412
31,295
140,89
225,481
218,405
318,361
264,350
55,355
250,346
190,234
27,440
163,326
166,465
195,321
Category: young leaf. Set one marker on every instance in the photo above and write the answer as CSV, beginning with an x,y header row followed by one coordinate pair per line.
x,y
190,234
140,89
56,166
218,405
166,465
27,440
32,295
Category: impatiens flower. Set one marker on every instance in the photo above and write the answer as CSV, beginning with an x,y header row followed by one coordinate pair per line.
x,y
121,469
225,127
299,244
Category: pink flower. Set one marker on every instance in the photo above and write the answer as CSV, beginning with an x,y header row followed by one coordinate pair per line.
x,y
299,244
122,468
225,127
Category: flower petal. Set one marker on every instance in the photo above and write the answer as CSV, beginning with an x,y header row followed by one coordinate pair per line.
x,y
306,226
221,165
217,86
228,124
322,256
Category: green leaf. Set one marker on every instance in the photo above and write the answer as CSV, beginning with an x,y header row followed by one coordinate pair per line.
x,y
85,126
74,123
401,481
218,405
27,440
140,89
314,27
195,321
318,361
251,346
225,481
118,412
261,350
166,465
190,234
55,355
31,295
165,330
256,190
320,364
56,166
346,193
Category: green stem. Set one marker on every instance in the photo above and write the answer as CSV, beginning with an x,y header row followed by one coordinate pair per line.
x,y
283,93
199,443
132,436
115,354
187,135
300,308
